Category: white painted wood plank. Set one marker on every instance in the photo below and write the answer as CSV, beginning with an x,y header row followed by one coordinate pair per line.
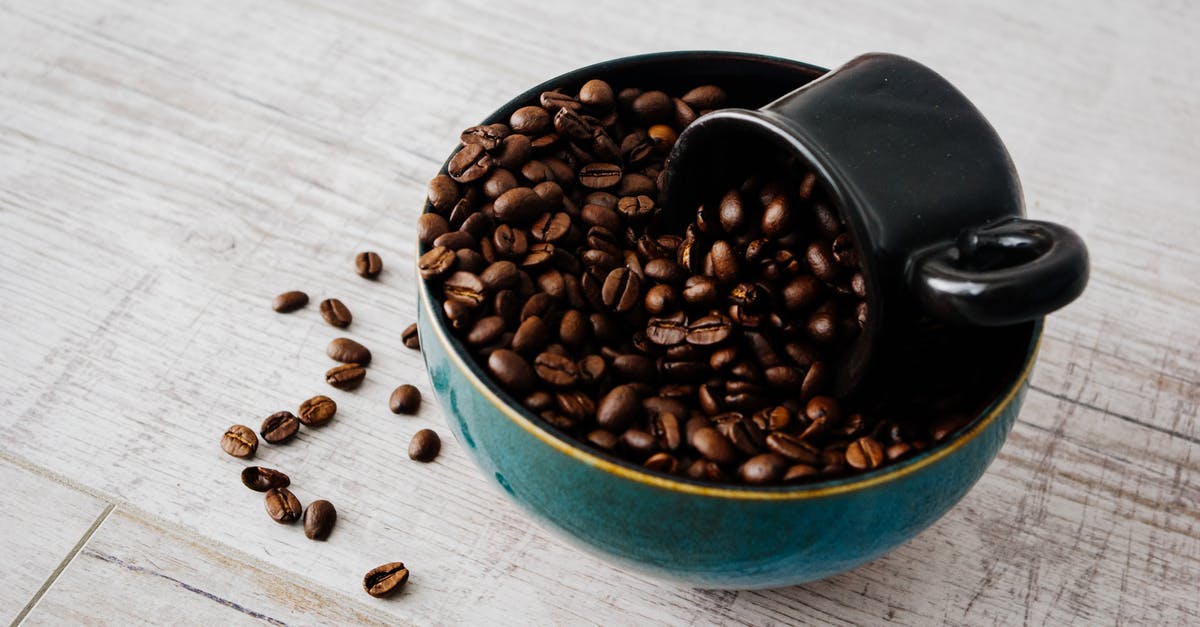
x,y
165,169
41,523
137,572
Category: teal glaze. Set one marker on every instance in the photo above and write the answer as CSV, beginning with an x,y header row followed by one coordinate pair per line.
x,y
703,535
687,536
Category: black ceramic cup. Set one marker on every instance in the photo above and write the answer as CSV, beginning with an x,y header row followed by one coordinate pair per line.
x,y
927,189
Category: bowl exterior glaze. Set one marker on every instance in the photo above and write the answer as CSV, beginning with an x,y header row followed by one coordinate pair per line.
x,y
703,535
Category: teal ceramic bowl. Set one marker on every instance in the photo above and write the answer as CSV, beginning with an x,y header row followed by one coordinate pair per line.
x,y
701,534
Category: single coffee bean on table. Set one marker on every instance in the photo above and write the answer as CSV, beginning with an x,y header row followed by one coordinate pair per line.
x,y
348,351
704,345
316,411
335,313
424,446
368,265
288,302
239,441
346,376
409,336
282,506
319,518
261,479
384,581
279,427
405,399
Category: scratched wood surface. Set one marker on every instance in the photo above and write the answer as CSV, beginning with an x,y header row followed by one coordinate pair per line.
x,y
165,168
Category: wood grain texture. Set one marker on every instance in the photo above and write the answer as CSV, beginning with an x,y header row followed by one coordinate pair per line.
x,y
40,527
166,168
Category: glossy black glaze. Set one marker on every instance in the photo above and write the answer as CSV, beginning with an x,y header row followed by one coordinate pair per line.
x,y
912,165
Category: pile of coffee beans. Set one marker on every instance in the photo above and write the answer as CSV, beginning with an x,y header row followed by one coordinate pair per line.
x,y
281,427
704,348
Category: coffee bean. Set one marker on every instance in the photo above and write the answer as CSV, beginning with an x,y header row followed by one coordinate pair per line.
x,y
348,351
405,399
436,262
466,288
443,193
469,164
705,97
319,518
662,462
282,506
424,446
557,370
573,329
659,299
662,136
621,290
732,212
529,120
554,100
335,313
518,205
409,336
763,468
600,175
345,376
618,407
486,331
551,227
511,370
513,152
792,448
430,226
288,302
239,441
368,265
724,261
800,472
708,330
316,411
279,427
667,330
384,581
488,136
597,94
712,445
261,479
653,107
864,454
665,426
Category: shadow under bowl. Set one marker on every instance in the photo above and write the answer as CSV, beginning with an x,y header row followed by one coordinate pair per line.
x,y
710,536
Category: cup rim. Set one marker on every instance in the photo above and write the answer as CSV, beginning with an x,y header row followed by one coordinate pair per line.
x,y
616,466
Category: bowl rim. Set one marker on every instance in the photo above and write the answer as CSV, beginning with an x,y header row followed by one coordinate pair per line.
x,y
621,468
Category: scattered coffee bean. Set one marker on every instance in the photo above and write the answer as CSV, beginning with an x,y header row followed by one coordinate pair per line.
x,y
261,479
335,313
424,446
368,265
405,399
316,411
319,518
409,337
384,581
282,506
348,351
279,427
239,441
345,376
288,302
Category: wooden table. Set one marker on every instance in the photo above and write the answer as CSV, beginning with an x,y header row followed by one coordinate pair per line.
x,y
166,168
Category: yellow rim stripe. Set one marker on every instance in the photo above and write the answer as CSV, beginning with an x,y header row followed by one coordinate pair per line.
x,y
800,492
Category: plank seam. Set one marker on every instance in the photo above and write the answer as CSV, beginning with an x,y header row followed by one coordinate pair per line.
x,y
83,540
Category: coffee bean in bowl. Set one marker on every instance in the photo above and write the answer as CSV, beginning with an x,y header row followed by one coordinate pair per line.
x,y
661,366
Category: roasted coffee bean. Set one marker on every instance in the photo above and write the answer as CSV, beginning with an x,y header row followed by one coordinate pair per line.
x,y
659,299
261,479
529,120
551,227
708,330
368,265
282,506
511,370
239,441
405,399
606,440
518,205
455,240
662,462
776,217
816,380
763,468
573,329
864,454
666,427
705,97
724,262
700,291
443,193
633,367
784,377
662,136
665,271
346,376
801,293
488,136
500,275
732,212
618,408
469,164
513,152
384,581
335,313
279,427
410,338
319,518
621,290
431,226
486,331
793,448
575,404
653,107
712,445
600,175
348,351
316,411
436,262
571,125
597,94
554,100
800,472
637,207
466,288
667,330
827,220
425,446
556,370
288,302
822,328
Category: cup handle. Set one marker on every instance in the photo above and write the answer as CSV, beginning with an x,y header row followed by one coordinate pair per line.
x,y
1002,273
